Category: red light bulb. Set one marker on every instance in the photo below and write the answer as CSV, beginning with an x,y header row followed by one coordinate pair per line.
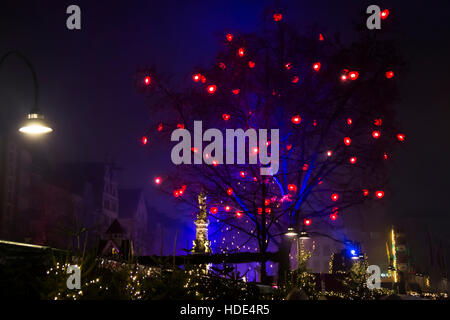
x,y
349,121
196,77
352,160
376,134
295,79
144,140
292,187
239,214
333,216
384,14
329,153
229,37
401,137
243,174
288,65
379,194
307,221
378,122
365,192
251,64
316,66
230,191
296,119
227,208
347,141
158,180
222,66
241,52
212,88
389,74
353,75
320,37
147,80
334,197
236,91
226,116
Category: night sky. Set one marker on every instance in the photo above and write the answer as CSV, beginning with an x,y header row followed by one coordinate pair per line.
x,y
87,91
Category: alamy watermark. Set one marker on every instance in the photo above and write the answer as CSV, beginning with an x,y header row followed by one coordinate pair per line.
x,y
258,147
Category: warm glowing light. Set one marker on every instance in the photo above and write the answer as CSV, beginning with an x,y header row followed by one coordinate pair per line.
x,y
289,147
352,160
147,80
239,214
379,194
251,64
334,197
160,127
384,14
203,79
229,191
158,180
344,77
180,125
333,216
229,37
349,121
241,52
376,134
236,91
305,167
226,116
197,77
295,79
214,210
320,37
35,125
347,141
365,192
401,137
389,74
329,153
277,16
243,174
227,208
144,140
255,150
307,221
316,66
378,122
353,75
385,156
296,119
288,65
292,187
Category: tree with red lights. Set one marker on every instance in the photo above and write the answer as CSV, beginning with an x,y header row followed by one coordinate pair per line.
x,y
333,104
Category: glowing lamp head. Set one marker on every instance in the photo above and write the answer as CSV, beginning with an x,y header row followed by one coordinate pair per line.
x,y
334,197
347,141
376,134
296,119
384,14
307,221
291,232
35,125
379,194
389,74
316,66
212,88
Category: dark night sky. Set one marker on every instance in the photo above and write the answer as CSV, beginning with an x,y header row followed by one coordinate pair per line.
x,y
86,78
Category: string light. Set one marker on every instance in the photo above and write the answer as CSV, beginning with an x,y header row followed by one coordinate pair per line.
x,y
347,141
147,80
349,121
226,116
376,134
307,221
214,210
329,153
379,194
296,119
241,52
401,137
384,14
321,37
229,37
389,74
144,140
212,88
236,91
352,160
197,77
365,192
316,66
229,191
292,187
353,75
277,17
158,180
251,64
334,197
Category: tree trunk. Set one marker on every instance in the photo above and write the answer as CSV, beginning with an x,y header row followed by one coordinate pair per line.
x,y
284,263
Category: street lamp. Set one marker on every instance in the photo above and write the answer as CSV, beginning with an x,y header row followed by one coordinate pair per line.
x,y
291,232
35,123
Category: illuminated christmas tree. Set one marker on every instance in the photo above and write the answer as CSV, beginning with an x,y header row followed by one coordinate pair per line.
x,y
333,104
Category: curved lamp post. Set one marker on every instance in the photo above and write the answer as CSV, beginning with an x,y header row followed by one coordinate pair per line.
x,y
35,123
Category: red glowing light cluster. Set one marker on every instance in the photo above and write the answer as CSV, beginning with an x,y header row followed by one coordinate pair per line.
x,y
352,160
401,137
239,214
292,187
179,192
277,17
379,194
